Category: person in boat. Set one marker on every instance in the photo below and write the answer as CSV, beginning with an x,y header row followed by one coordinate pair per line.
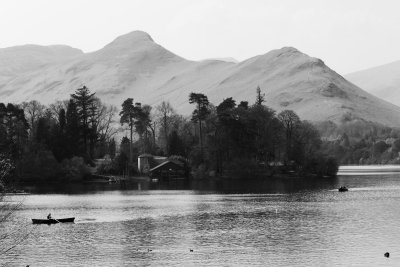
x,y
343,189
49,217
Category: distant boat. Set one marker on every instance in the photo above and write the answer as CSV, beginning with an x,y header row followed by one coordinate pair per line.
x,y
53,221
343,189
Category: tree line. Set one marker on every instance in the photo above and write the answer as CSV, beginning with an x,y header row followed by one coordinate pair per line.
x,y
62,140
357,142
59,140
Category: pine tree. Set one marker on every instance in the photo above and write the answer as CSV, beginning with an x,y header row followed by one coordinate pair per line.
x,y
128,114
84,99
200,113
260,98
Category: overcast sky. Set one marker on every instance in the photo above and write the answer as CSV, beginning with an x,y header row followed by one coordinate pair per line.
x,y
348,35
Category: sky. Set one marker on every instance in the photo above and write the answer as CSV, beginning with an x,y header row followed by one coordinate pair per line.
x,y
348,35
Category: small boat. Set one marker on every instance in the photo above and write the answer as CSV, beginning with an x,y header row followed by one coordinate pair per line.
x,y
343,189
53,221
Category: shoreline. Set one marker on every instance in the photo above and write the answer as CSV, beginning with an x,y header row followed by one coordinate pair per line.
x,y
368,169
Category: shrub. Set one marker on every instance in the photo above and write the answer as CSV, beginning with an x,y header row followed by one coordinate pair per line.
x,y
41,166
244,169
74,169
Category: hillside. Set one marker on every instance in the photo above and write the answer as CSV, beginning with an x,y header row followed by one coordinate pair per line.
x,y
133,65
382,81
16,60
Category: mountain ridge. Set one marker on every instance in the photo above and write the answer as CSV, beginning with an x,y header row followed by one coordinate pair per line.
x,y
133,65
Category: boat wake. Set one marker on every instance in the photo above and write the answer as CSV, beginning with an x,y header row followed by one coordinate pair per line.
x,y
85,220
391,188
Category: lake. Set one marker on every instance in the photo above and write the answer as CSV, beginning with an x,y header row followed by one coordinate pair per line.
x,y
287,222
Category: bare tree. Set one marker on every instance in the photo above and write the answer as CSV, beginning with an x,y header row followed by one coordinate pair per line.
x,y
164,113
290,122
151,122
56,107
33,111
107,121
10,236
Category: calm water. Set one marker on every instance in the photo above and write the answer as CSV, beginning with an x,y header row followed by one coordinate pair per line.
x,y
285,223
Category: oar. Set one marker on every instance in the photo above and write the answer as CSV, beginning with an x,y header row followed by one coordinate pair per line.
x,y
55,220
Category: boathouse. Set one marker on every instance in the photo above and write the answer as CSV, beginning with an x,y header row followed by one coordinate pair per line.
x,y
148,161
168,169
157,166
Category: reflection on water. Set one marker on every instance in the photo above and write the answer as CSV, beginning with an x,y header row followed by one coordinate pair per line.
x,y
225,186
289,222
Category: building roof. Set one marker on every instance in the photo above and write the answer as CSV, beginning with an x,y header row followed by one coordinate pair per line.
x,y
146,155
177,164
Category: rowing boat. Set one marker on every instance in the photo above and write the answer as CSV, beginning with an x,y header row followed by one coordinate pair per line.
x,y
53,221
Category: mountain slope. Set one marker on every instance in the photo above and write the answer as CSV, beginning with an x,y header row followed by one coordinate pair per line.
x,y
382,81
133,65
19,59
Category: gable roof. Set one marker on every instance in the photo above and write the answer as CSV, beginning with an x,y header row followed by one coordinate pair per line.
x,y
177,164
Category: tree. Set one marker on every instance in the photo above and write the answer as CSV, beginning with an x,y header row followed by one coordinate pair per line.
x,y
260,98
13,133
84,99
290,122
345,142
200,113
43,132
56,107
261,119
306,143
243,105
72,134
143,124
123,159
62,119
226,105
128,115
224,136
12,234
95,110
165,111
106,121
378,148
58,134
175,144
112,147
33,111
6,168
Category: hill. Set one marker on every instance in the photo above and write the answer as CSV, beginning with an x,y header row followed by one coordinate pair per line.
x,y
133,65
382,81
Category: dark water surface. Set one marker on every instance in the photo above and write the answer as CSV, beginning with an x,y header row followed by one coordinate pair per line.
x,y
290,222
